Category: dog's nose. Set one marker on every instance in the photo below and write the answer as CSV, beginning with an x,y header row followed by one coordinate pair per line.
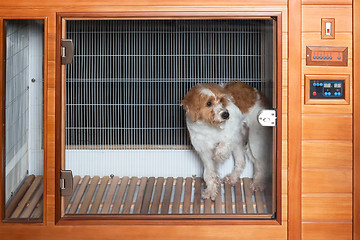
x,y
225,115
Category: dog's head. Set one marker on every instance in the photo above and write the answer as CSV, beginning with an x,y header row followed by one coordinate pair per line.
x,y
207,103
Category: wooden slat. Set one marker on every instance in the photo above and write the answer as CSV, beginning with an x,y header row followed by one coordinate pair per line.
x,y
39,210
147,196
67,200
340,155
327,180
332,206
167,196
79,194
238,198
228,198
130,195
89,195
248,196
218,201
259,202
157,196
207,206
140,195
110,195
99,195
197,196
316,126
19,195
187,195
33,202
177,195
24,201
120,194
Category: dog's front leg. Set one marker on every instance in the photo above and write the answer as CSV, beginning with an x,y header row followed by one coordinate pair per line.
x,y
239,164
211,178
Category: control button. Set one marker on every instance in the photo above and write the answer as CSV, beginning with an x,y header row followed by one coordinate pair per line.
x,y
314,57
321,84
330,57
339,58
314,84
314,93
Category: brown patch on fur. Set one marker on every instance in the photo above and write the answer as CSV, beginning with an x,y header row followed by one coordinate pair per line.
x,y
244,95
195,103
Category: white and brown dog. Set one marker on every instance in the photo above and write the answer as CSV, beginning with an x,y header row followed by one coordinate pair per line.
x,y
222,120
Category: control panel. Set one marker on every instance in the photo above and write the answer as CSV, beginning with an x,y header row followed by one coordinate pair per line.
x,y
327,89
326,56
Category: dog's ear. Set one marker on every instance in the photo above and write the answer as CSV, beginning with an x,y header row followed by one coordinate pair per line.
x,y
190,109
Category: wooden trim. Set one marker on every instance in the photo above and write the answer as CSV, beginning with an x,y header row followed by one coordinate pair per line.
x,y
181,219
2,119
356,120
344,101
294,120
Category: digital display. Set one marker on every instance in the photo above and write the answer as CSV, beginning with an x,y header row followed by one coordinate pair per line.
x,y
327,89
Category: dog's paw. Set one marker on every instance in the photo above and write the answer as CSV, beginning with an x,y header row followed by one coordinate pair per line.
x,y
257,185
209,194
221,152
231,179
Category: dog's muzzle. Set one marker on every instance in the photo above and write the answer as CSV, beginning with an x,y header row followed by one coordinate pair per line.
x,y
225,115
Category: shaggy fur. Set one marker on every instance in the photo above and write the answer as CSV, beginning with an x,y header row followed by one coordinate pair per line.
x,y
222,120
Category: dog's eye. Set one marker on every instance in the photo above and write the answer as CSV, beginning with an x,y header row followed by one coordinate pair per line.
x,y
209,104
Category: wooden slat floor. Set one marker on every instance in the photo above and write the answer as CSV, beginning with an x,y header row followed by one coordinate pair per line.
x,y
28,201
157,196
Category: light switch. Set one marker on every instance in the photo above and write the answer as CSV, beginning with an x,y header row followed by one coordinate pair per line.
x,y
328,28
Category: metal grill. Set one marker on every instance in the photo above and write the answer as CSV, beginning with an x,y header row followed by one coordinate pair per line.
x,y
124,87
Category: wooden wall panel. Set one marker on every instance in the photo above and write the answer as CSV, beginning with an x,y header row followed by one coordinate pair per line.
x,y
325,154
341,40
312,17
329,207
327,231
327,180
326,2
54,3
327,127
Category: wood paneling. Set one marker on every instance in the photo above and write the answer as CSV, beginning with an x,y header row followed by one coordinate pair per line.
x,y
326,206
327,230
326,2
327,127
356,120
314,39
294,121
327,181
312,17
54,3
327,154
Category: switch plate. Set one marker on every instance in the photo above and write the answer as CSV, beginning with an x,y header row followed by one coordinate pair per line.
x,y
326,56
328,28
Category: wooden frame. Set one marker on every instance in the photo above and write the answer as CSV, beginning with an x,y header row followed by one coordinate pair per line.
x,y
356,120
329,49
344,101
294,121
323,28
2,118
60,103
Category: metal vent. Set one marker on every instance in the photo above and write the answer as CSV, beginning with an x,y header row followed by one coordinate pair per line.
x,y
124,87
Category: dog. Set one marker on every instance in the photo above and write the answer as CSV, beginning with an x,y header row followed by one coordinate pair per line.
x,y
222,120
